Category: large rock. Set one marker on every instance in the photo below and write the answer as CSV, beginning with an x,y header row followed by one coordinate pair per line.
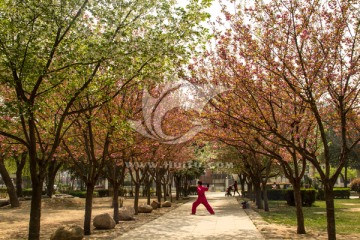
x,y
68,232
145,209
4,203
166,204
126,214
63,196
155,204
104,221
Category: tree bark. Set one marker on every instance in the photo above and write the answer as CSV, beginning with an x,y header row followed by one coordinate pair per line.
x,y
258,200
242,179
185,190
158,189
20,164
177,180
116,203
53,168
345,175
136,198
330,211
250,191
88,208
14,201
299,209
115,176
148,190
170,189
35,211
165,191
266,201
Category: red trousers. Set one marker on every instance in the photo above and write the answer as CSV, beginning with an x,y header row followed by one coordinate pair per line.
x,y
204,202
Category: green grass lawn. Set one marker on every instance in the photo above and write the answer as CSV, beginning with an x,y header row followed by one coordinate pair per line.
x,y
347,214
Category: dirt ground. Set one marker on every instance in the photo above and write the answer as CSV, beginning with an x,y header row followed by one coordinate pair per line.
x,y
57,212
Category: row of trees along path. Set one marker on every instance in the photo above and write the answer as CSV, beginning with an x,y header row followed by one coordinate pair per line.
x,y
292,68
73,73
63,62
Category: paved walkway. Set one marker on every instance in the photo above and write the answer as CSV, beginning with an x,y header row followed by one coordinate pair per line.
x,y
229,222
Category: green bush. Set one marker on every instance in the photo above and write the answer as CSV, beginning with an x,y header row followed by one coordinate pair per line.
x,y
27,192
103,193
276,194
355,185
339,193
77,193
308,197
343,193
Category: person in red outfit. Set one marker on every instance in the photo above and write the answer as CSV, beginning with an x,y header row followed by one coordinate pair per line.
x,y
202,199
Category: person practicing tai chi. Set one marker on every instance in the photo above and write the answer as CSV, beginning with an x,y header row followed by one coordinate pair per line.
x,y
202,199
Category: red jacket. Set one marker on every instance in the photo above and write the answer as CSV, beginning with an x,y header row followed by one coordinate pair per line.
x,y
201,191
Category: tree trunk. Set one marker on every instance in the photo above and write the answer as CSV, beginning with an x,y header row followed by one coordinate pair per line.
x,y
165,191
14,201
171,197
266,201
136,198
250,191
299,209
345,175
51,174
242,179
177,181
50,186
35,211
19,168
258,200
185,187
330,211
88,208
148,191
158,190
116,203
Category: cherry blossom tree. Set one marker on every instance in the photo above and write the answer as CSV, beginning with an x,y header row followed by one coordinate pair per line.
x,y
294,66
52,52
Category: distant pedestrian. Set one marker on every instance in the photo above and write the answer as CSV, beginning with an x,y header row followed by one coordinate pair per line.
x,y
201,199
236,188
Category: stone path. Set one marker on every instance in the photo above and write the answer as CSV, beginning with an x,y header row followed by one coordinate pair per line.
x,y
229,222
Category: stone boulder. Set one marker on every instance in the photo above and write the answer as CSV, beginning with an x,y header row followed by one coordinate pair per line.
x,y
68,232
104,221
155,204
145,209
166,204
126,214
4,203
63,196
